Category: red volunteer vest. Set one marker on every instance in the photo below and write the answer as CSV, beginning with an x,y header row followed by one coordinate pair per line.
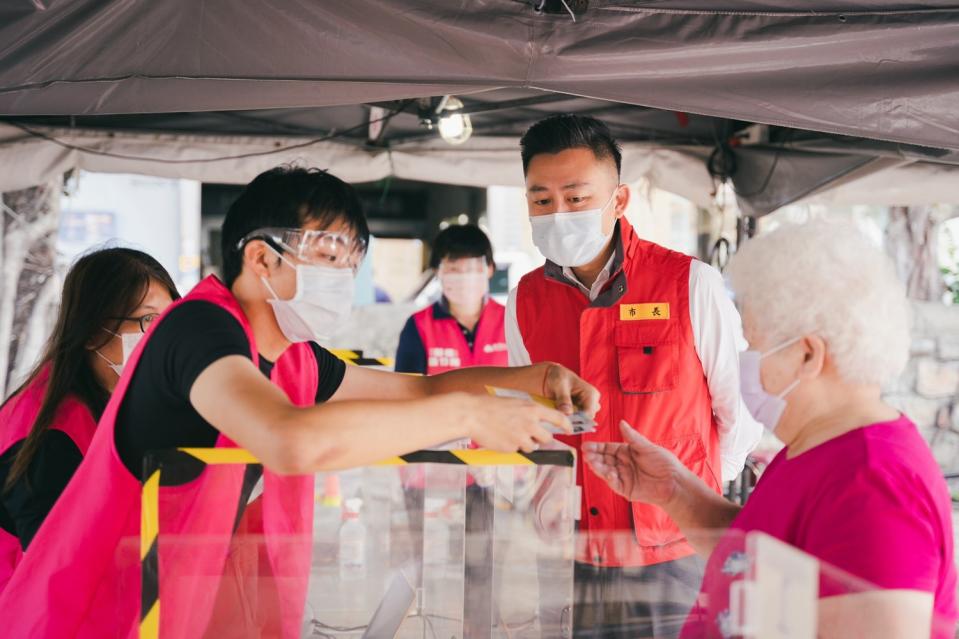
x,y
16,420
446,347
81,577
635,344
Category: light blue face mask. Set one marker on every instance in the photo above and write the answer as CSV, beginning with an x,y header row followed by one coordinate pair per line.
x,y
766,408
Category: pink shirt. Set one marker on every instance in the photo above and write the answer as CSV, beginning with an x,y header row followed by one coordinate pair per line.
x,y
871,502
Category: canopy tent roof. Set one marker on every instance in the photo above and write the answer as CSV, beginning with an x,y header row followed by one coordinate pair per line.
x,y
855,92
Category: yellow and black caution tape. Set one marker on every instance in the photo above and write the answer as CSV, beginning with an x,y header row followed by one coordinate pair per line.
x,y
459,457
356,358
149,552
150,516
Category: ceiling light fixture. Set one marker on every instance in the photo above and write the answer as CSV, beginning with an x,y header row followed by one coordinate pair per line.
x,y
454,127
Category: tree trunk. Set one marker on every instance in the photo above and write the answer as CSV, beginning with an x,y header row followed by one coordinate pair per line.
x,y
28,287
912,243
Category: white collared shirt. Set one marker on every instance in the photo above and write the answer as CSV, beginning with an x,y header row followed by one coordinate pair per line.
x,y
593,291
718,337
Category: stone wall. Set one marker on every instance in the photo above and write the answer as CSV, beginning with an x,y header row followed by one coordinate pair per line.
x,y
929,387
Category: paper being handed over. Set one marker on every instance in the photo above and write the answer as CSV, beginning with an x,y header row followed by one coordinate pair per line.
x,y
580,421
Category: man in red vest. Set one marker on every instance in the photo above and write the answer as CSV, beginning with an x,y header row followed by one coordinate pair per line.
x,y
656,333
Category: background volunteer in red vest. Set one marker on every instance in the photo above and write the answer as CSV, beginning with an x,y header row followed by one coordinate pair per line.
x,y
202,377
656,333
465,327
110,297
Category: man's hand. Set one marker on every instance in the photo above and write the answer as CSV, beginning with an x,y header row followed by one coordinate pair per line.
x,y
570,391
639,470
506,425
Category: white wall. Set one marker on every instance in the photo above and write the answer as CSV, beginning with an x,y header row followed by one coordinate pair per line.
x,y
158,216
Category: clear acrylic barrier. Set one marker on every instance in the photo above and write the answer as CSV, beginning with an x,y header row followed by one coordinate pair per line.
x,y
749,586
444,550
427,550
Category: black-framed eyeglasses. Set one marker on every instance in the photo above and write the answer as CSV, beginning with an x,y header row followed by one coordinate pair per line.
x,y
144,320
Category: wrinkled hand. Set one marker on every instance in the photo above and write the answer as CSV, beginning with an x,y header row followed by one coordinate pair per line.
x,y
508,425
639,470
570,391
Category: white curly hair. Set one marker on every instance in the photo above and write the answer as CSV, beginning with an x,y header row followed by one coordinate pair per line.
x,y
826,278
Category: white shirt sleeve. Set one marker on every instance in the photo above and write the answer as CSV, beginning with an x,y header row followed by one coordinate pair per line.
x,y
718,336
518,356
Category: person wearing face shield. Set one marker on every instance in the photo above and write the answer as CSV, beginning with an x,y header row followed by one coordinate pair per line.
x,y
656,332
465,327
856,485
110,298
238,363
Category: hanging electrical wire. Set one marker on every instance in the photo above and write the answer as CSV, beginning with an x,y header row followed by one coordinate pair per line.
x,y
240,156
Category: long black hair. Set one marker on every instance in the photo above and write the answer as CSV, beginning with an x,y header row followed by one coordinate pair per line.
x,y
100,287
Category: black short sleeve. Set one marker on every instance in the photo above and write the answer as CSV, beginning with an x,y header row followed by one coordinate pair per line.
x,y
31,497
330,370
190,338
156,413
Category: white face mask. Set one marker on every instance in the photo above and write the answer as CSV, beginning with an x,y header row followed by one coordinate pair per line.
x,y
465,289
322,302
767,409
571,239
129,341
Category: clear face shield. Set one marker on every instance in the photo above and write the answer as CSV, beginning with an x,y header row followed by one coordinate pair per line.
x,y
465,280
463,266
317,248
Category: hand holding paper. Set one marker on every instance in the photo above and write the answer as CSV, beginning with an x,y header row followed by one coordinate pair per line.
x,y
580,421
569,392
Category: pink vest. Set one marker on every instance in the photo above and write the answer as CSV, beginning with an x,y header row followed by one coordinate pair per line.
x,y
16,420
81,577
446,348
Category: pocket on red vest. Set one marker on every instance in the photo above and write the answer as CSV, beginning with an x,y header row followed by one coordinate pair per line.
x,y
647,354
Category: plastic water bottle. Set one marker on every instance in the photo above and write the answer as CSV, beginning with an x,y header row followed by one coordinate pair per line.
x,y
352,542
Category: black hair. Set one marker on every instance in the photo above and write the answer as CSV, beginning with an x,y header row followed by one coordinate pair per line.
x,y
567,131
288,197
455,242
100,288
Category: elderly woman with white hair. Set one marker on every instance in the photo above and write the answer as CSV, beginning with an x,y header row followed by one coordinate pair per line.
x,y
856,485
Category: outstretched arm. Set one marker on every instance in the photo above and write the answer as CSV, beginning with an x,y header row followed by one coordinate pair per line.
x,y
639,470
233,396
551,380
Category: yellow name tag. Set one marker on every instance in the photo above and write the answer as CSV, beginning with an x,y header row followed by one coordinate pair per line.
x,y
654,311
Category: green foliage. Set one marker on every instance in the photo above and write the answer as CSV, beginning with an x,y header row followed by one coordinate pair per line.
x,y
950,266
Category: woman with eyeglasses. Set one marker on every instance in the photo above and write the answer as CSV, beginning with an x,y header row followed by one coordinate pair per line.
x,y
110,298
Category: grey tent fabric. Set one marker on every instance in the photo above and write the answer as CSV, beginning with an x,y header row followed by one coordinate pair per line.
x,y
186,89
768,176
882,70
797,174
